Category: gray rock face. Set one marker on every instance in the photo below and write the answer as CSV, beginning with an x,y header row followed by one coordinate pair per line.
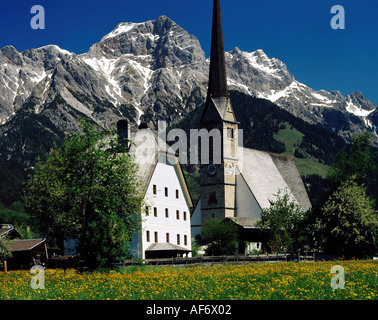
x,y
39,75
256,74
154,66
153,71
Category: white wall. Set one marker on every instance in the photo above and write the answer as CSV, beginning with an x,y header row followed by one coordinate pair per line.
x,y
165,176
246,203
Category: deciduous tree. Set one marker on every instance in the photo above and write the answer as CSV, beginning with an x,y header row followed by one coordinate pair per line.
x,y
87,190
349,222
279,223
5,250
221,237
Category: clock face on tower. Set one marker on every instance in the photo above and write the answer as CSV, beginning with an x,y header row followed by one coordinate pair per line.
x,y
212,169
230,168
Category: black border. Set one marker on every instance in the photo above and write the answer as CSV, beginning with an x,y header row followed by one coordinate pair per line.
x,y
138,309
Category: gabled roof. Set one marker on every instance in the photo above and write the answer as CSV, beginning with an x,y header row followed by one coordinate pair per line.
x,y
266,173
26,245
7,230
289,172
166,247
147,147
218,109
245,222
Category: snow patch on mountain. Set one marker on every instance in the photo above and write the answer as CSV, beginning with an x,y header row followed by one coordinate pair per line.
x,y
260,61
320,96
106,67
160,70
121,28
238,86
60,50
358,111
144,72
38,78
275,95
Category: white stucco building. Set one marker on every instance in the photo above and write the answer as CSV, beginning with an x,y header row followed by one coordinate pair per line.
x,y
166,227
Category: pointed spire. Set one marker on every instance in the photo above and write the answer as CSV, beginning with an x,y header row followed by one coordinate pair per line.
x,y
217,76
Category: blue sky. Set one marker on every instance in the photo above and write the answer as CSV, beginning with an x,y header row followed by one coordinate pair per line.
x,y
298,32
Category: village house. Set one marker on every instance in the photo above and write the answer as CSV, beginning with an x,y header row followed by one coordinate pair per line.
x,y
165,227
25,252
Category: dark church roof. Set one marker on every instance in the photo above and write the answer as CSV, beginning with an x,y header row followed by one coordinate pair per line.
x,y
217,78
218,99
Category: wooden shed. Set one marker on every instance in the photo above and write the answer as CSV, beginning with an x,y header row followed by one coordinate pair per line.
x,y
8,231
26,253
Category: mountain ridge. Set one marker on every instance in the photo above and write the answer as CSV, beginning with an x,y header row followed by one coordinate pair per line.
x,y
150,71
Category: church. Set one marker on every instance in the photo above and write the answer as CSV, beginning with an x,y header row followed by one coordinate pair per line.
x,y
236,183
244,181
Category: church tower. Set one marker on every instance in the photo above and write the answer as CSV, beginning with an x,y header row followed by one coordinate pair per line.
x,y
217,178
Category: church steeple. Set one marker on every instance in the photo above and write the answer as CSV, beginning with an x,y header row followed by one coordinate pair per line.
x,y
218,106
217,77
217,178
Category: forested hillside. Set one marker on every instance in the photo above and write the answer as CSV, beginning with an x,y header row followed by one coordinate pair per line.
x,y
265,127
268,127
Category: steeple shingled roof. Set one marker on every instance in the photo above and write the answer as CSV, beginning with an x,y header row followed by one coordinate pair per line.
x,y
217,77
218,98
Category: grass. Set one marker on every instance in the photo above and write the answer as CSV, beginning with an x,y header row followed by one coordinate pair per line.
x,y
290,137
308,165
265,281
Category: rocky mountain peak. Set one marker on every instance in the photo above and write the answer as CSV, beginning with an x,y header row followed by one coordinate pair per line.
x,y
9,54
358,99
162,40
157,27
150,71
